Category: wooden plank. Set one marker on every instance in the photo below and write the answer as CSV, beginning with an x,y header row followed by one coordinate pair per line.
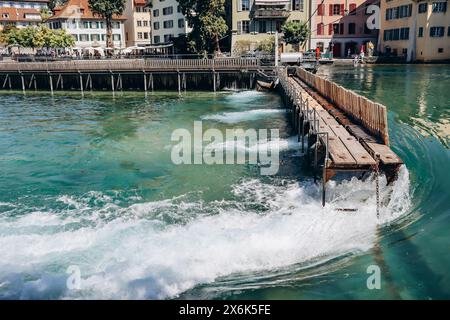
x,y
387,156
361,156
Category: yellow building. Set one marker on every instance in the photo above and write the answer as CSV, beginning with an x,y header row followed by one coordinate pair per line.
x,y
417,30
253,21
138,23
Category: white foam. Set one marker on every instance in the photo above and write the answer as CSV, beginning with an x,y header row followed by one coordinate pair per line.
x,y
137,255
240,116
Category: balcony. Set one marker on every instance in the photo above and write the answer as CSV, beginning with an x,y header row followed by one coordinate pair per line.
x,y
270,13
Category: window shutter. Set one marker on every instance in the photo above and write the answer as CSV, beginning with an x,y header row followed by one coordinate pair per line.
x,y
319,29
331,10
330,29
239,6
342,9
239,27
320,10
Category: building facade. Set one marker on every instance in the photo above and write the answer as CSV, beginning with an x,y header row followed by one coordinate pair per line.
x,y
137,23
340,26
167,21
254,21
21,13
88,30
415,30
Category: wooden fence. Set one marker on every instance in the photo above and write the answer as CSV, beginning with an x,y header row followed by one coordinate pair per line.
x,y
372,115
132,65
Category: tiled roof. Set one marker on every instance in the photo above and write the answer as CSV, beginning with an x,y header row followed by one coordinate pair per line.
x,y
78,9
18,14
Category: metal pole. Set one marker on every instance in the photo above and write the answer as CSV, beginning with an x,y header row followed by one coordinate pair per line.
x,y
81,83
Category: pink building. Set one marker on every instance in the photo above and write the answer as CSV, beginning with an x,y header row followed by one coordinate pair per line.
x,y
339,26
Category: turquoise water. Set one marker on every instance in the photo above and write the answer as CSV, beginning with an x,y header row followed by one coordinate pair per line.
x,y
89,182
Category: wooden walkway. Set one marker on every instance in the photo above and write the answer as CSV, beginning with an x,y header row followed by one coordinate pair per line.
x,y
344,135
134,65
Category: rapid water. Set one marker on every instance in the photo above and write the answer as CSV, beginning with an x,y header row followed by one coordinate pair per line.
x,y
89,183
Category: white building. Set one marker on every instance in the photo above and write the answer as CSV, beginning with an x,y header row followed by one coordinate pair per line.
x,y
137,23
88,30
167,20
21,13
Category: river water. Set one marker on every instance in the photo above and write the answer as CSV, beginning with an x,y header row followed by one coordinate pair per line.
x,y
88,192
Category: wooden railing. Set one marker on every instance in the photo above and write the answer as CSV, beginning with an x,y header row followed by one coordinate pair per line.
x,y
130,65
372,115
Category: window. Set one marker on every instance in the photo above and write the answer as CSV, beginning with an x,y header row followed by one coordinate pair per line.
x,y
440,50
351,28
420,35
145,23
180,23
335,9
244,26
423,7
146,35
138,9
116,37
262,26
139,23
156,25
404,33
139,35
167,37
167,11
156,39
448,32
338,28
156,13
95,37
84,37
436,32
168,24
75,37
297,5
178,9
245,5
439,6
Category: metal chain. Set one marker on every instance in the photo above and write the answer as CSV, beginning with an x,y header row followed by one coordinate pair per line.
x,y
377,183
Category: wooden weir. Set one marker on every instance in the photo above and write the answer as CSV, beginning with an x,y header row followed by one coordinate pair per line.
x,y
345,131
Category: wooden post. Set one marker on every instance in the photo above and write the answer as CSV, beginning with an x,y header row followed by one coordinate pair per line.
x,y
23,82
4,82
151,81
81,83
214,81
51,82
145,82
179,82
112,82
62,82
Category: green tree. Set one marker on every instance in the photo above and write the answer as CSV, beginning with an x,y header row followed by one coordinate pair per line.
x,y
107,9
207,22
295,32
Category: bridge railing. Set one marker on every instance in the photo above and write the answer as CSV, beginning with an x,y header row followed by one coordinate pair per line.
x,y
130,64
372,115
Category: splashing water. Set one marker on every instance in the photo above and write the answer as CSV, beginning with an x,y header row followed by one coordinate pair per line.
x,y
138,252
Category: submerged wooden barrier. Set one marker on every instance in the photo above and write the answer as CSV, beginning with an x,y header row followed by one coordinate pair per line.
x,y
344,131
372,115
